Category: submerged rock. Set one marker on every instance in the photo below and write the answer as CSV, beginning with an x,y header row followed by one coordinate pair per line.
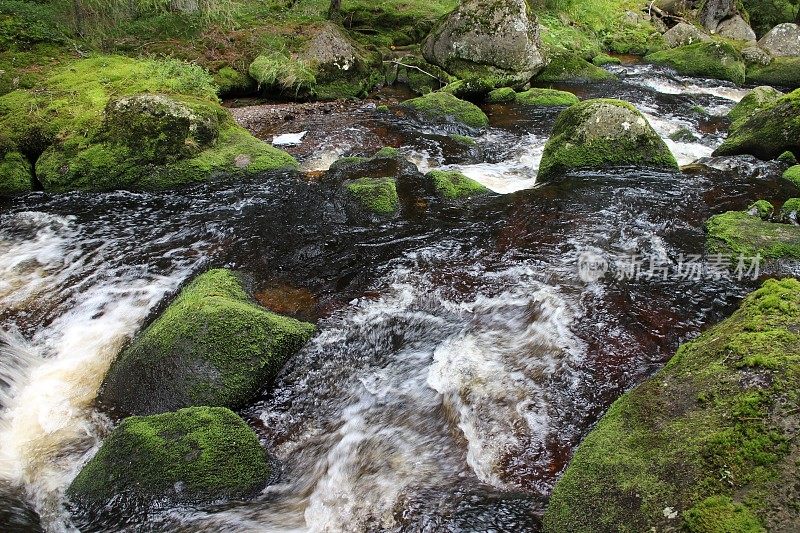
x,y
782,40
211,346
756,100
768,132
708,59
446,108
194,455
497,39
706,444
602,133
737,232
684,33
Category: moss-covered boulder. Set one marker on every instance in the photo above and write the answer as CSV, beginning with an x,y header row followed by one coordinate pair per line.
x,y
453,185
767,133
502,95
792,174
15,172
602,133
211,346
109,122
714,59
736,233
780,71
571,68
546,98
375,195
790,210
756,100
761,209
194,455
497,39
708,443
445,108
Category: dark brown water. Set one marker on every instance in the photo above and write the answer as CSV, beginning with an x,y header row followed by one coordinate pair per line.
x,y
460,357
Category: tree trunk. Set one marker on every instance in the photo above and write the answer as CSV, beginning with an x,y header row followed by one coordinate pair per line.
x,y
334,12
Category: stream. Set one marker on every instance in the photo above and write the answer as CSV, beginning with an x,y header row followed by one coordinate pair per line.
x,y
460,356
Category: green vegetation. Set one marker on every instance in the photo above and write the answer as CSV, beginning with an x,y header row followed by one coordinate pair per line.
x,y
768,132
736,232
546,98
787,158
447,108
211,346
790,210
376,195
714,59
452,185
766,14
762,209
572,68
602,60
756,100
280,72
782,71
602,133
501,96
198,454
707,443
792,174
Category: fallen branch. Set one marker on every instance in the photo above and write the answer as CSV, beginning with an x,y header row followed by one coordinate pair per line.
x,y
398,63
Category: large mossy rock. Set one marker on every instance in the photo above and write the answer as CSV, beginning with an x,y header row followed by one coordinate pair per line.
x,y
782,41
445,108
708,443
768,132
496,39
717,60
211,346
110,122
194,455
779,71
15,171
756,100
738,233
602,133
570,68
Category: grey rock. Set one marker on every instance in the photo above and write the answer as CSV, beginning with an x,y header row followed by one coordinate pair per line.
x,y
737,29
783,40
487,38
754,54
684,33
713,12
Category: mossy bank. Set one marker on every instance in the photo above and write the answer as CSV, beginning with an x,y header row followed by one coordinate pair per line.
x,y
705,445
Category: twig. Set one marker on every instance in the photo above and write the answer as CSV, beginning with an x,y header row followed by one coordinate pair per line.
x,y
395,62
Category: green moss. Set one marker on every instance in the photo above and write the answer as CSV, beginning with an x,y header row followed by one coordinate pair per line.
x,y
593,134
471,87
788,158
684,135
211,346
15,174
768,132
276,71
453,185
388,152
781,72
709,437
790,210
756,100
347,161
717,60
501,95
602,60
231,82
792,174
377,195
762,209
420,76
720,514
736,232
463,139
546,98
446,107
209,452
567,67
382,108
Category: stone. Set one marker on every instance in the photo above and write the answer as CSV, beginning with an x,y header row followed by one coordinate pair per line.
x,y
782,40
737,29
684,33
756,100
754,54
713,12
487,38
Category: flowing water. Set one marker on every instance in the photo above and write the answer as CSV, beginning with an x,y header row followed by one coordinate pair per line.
x,y
460,357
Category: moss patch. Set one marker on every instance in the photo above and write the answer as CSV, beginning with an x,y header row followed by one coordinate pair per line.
x,y
717,60
737,232
756,100
453,185
792,174
546,98
790,210
211,346
762,209
567,67
708,438
193,455
501,96
445,107
781,72
376,195
602,60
